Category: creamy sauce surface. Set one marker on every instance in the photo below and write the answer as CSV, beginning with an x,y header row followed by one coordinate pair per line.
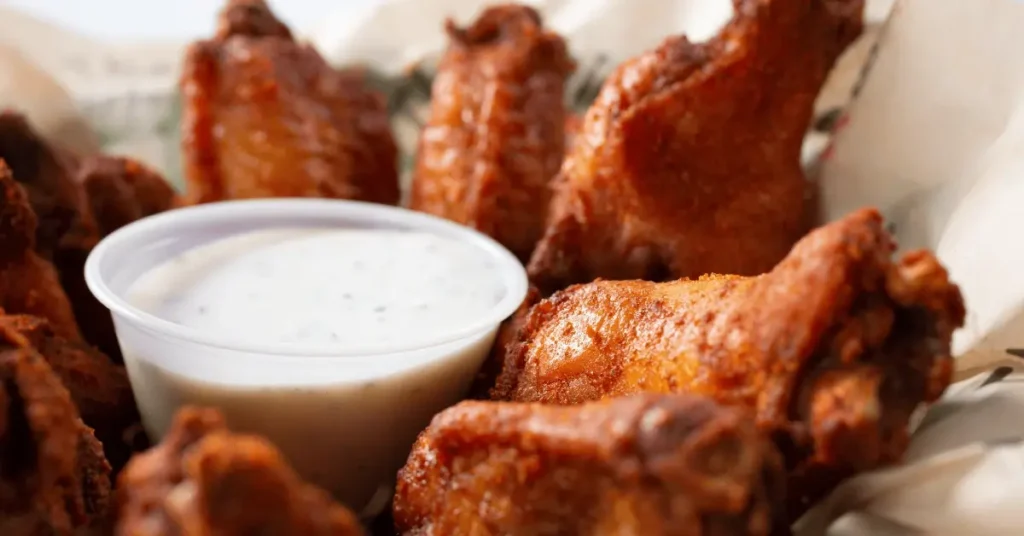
x,y
323,287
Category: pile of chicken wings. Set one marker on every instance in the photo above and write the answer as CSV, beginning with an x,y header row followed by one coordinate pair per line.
x,y
694,358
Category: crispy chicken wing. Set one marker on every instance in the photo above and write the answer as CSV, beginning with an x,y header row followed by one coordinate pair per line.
x,y
98,387
121,190
491,368
648,464
28,283
66,230
495,137
266,116
65,218
203,480
53,477
689,160
833,350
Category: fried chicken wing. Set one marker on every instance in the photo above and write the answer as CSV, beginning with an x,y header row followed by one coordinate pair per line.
x,y
833,350
495,136
203,480
266,116
66,230
28,283
377,161
65,218
54,479
508,332
688,162
648,464
121,190
98,387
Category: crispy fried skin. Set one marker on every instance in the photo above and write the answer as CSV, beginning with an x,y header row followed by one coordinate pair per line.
x,y
377,156
573,124
689,160
508,332
66,230
65,218
121,190
28,283
266,116
648,464
53,477
833,349
98,387
495,137
203,480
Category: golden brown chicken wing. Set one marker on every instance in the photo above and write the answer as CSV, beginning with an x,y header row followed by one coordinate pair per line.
x,y
266,116
98,387
495,137
203,480
648,464
29,284
689,161
833,350
54,479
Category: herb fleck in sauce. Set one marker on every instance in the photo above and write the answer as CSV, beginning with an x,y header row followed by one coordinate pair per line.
x,y
322,286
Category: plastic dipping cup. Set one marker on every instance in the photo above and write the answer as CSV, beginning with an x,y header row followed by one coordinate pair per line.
x,y
344,415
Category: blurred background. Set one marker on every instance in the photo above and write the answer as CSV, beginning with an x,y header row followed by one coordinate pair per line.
x,y
103,73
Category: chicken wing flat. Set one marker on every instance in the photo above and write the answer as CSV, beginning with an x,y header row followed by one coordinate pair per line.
x,y
203,480
833,350
98,387
29,284
688,162
647,464
495,136
266,116
54,479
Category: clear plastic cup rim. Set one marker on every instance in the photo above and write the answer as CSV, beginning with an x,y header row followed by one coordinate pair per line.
x,y
317,213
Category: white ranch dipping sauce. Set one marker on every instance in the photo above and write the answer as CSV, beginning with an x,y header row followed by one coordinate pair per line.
x,y
345,422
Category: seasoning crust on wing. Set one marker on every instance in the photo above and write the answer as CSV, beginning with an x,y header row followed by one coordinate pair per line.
x,y
65,220
648,464
833,350
54,479
121,190
495,136
688,162
266,116
98,387
202,479
29,284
